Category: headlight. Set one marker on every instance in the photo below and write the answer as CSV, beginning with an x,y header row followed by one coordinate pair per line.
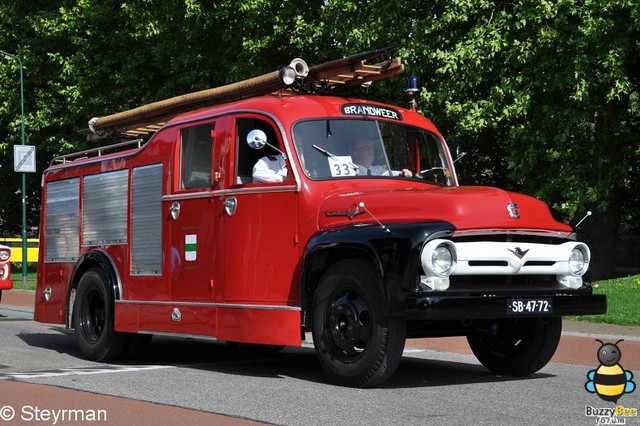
x,y
439,258
5,255
577,261
442,260
288,75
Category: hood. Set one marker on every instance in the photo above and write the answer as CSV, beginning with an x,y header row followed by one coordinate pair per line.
x,y
468,208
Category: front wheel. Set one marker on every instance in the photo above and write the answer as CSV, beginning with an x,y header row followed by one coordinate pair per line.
x,y
356,343
93,318
517,346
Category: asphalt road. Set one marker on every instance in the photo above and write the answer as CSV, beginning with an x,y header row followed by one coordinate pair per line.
x,y
42,374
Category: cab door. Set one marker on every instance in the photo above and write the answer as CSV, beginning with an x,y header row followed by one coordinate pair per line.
x,y
192,254
260,223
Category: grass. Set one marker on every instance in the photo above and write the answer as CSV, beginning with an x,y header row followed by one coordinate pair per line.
x,y
16,278
623,298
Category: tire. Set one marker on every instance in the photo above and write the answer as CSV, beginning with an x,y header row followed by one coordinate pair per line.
x,y
93,313
517,347
356,343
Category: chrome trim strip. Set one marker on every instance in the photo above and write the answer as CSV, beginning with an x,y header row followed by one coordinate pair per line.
x,y
211,305
229,191
511,231
188,196
256,190
168,334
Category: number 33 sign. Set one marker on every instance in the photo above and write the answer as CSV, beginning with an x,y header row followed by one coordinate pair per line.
x,y
342,166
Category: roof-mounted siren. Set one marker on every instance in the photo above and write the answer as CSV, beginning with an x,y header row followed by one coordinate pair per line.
x,y
92,123
297,69
413,88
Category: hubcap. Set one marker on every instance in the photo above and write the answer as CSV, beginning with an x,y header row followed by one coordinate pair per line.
x,y
93,316
349,325
505,336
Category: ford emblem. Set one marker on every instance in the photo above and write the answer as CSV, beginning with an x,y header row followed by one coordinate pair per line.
x,y
514,210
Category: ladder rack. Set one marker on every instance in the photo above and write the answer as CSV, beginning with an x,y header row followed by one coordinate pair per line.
x,y
98,152
326,78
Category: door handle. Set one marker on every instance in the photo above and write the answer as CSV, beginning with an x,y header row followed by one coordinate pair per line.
x,y
230,205
175,210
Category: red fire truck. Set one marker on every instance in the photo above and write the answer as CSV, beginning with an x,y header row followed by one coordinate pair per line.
x,y
5,269
362,236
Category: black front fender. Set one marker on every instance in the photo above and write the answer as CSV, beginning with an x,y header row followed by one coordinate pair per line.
x,y
94,258
394,251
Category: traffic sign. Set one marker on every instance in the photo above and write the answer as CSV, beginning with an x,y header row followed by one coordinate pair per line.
x,y
24,158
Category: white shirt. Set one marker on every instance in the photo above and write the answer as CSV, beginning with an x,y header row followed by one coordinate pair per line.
x,y
270,168
376,170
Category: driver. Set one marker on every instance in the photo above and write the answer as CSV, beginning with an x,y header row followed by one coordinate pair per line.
x,y
363,155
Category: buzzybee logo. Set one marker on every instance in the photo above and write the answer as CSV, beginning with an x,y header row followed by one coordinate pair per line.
x,y
609,381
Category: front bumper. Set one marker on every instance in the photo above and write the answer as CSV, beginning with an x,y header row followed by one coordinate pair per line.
x,y
459,307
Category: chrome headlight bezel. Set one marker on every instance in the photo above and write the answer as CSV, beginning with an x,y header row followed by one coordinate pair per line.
x,y
5,255
438,258
578,260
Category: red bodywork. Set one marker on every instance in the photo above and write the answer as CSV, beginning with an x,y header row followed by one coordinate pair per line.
x,y
5,268
246,282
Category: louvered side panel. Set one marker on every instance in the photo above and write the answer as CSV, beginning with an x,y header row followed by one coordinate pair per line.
x,y
146,221
62,220
104,213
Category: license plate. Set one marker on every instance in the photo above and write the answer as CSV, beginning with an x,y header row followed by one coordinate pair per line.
x,y
529,306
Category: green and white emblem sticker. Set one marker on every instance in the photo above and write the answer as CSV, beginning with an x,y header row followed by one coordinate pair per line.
x,y
190,247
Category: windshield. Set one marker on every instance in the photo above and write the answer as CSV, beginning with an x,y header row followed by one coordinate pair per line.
x,y
339,149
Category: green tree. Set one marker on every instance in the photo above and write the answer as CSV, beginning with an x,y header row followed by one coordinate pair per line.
x,y
543,95
555,84
86,58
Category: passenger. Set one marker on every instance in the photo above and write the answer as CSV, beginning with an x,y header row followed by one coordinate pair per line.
x,y
363,155
270,169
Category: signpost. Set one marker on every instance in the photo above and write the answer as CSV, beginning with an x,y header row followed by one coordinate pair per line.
x,y
24,158
28,158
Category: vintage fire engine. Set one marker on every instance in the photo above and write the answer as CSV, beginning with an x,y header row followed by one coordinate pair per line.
x,y
362,237
5,269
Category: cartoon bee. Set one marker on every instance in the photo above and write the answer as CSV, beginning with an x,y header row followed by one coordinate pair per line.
x,y
609,380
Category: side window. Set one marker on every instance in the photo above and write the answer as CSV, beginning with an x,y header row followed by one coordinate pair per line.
x,y
264,165
196,144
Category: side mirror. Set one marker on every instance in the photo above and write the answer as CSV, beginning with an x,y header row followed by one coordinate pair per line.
x,y
257,139
459,154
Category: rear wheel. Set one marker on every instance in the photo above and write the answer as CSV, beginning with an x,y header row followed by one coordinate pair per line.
x,y
93,318
517,346
356,343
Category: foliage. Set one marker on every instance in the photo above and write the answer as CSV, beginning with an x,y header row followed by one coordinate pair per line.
x,y
544,96
623,297
555,85
86,58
